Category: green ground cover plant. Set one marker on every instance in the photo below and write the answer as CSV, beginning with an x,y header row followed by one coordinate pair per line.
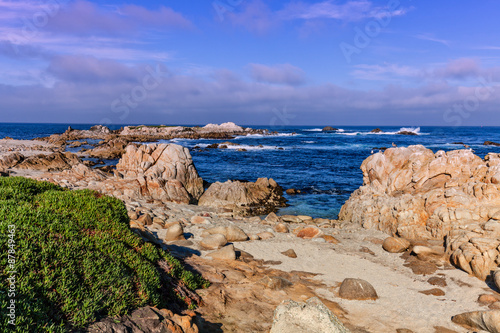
x,y
76,260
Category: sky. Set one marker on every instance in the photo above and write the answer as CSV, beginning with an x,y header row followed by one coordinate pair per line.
x,y
253,62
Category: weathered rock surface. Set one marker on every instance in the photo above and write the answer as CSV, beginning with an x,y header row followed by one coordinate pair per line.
x,y
414,193
147,320
312,316
162,172
51,162
258,198
213,242
357,289
225,253
395,245
479,320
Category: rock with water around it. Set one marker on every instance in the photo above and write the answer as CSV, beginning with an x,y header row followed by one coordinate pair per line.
x,y
245,198
312,316
357,289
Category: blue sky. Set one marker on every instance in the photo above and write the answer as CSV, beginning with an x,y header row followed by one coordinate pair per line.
x,y
280,63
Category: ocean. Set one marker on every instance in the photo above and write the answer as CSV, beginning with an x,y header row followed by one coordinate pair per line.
x,y
324,166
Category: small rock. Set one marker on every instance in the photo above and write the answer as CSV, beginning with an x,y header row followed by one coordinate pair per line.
x,y
395,245
292,191
265,235
175,232
496,278
214,242
132,215
313,316
357,289
199,220
291,219
281,228
226,253
330,239
309,233
437,281
479,320
235,234
272,217
290,253
404,330
254,237
145,219
495,306
275,282
433,292
487,299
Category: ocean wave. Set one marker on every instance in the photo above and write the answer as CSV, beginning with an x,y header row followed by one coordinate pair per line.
x,y
247,147
258,136
415,130
313,130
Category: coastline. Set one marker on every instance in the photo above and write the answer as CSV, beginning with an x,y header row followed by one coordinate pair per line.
x,y
341,249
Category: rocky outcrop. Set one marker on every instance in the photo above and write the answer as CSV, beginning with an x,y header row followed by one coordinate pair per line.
x,y
51,162
211,131
162,172
417,194
414,193
148,320
329,129
245,198
111,149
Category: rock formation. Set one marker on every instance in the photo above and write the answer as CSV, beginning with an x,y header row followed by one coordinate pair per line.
x,y
417,194
245,198
163,172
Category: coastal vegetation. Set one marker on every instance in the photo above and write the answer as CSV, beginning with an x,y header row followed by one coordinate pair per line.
x,y
75,260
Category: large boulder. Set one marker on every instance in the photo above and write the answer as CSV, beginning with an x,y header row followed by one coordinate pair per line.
x,y
313,316
245,198
414,193
163,172
417,194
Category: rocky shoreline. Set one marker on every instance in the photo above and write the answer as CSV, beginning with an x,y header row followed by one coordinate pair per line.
x,y
417,216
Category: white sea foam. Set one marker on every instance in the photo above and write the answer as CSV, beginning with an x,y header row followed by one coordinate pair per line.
x,y
247,147
313,130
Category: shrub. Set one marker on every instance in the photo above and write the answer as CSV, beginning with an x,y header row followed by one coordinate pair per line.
x,y
76,259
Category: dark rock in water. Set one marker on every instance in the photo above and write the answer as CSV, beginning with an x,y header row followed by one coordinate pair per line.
x,y
292,191
329,129
376,130
213,146
406,133
491,143
379,148
222,147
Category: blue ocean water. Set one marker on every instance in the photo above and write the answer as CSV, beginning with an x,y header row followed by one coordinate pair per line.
x,y
323,165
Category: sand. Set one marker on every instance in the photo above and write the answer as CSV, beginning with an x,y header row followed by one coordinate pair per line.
x,y
400,305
